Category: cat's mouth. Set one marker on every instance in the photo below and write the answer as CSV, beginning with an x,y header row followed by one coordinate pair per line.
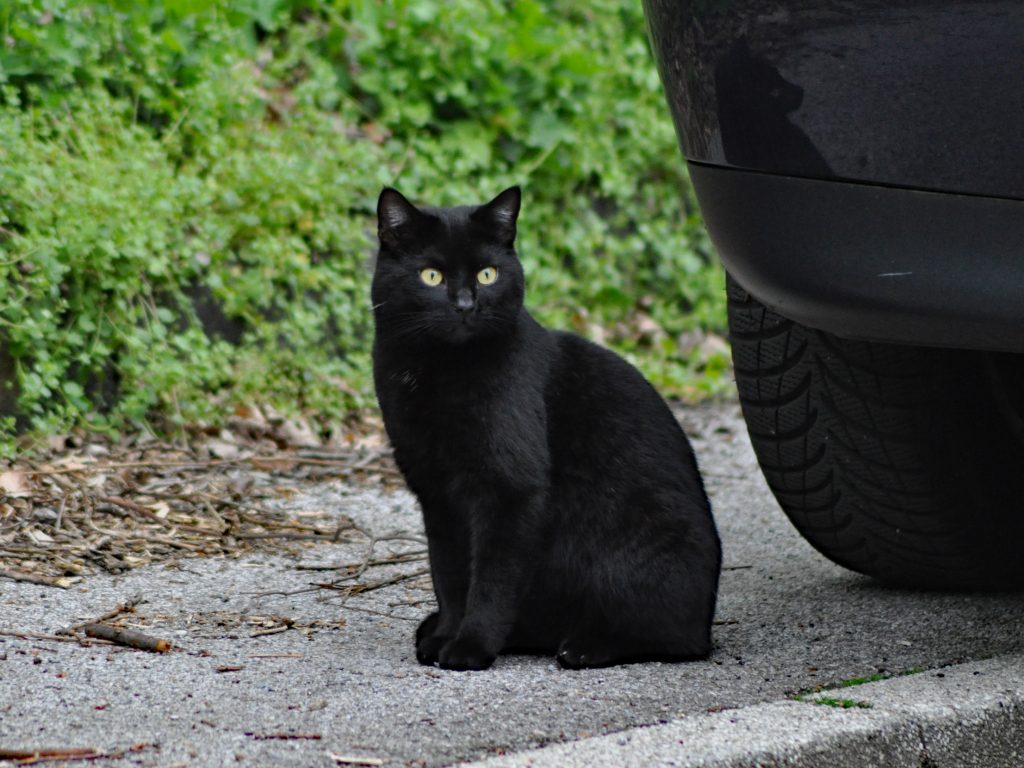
x,y
462,329
467,318
465,326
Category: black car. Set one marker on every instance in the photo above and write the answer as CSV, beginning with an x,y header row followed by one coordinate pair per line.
x,y
860,168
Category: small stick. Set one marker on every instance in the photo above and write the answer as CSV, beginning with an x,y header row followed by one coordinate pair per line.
x,y
29,578
351,607
126,607
284,736
359,589
271,631
351,760
194,464
35,756
128,637
277,656
285,535
55,752
403,557
25,635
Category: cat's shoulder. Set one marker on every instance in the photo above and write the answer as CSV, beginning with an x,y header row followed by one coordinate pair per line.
x,y
580,358
576,349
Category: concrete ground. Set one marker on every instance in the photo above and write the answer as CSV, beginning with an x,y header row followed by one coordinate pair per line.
x,y
340,685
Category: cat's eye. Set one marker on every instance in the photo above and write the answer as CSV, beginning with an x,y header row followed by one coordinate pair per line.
x,y
431,277
487,275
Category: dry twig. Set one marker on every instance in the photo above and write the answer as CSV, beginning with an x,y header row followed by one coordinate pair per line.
x,y
359,589
128,637
26,635
352,760
62,754
77,515
28,578
128,606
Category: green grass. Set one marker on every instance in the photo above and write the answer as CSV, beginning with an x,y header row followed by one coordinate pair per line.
x,y
840,703
811,696
147,148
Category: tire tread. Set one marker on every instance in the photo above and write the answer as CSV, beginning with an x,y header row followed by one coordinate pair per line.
x,y
852,439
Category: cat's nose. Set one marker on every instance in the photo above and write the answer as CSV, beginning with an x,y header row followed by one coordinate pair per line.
x,y
464,300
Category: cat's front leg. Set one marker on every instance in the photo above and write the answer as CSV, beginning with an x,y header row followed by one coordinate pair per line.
x,y
504,546
448,547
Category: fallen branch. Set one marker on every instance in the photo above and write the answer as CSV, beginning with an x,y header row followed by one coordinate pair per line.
x,y
128,637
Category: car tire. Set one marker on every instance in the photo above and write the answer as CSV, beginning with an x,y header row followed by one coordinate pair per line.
x,y
903,463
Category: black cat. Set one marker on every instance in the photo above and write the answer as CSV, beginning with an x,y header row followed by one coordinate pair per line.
x,y
563,508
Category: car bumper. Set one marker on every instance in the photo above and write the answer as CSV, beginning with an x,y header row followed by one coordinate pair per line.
x,y
859,165
872,262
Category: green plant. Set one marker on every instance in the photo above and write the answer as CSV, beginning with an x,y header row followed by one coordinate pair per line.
x,y
841,703
850,683
157,158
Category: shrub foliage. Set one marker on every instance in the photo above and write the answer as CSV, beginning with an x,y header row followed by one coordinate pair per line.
x,y
187,191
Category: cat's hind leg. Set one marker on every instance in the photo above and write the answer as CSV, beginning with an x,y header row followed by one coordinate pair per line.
x,y
605,650
654,602
637,632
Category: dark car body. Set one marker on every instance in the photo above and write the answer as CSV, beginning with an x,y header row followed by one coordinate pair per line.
x,y
859,164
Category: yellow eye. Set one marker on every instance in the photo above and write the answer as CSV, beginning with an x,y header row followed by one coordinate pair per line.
x,y
487,275
430,276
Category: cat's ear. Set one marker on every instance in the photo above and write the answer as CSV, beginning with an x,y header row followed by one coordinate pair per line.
x,y
500,214
395,214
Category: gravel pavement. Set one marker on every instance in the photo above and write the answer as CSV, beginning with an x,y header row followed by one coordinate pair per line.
x,y
342,684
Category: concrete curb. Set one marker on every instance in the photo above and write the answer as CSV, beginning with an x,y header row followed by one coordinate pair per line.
x,y
961,716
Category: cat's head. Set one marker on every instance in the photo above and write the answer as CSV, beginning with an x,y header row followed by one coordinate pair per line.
x,y
446,275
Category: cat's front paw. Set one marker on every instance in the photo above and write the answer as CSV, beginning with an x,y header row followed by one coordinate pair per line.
x,y
428,649
428,626
465,653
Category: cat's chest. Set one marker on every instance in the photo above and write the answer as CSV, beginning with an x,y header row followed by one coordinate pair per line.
x,y
425,407
447,422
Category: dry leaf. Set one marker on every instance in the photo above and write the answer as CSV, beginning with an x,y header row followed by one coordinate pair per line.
x,y
297,432
15,484
57,443
222,449
39,537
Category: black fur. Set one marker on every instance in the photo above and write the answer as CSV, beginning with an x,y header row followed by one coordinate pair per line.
x,y
563,508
